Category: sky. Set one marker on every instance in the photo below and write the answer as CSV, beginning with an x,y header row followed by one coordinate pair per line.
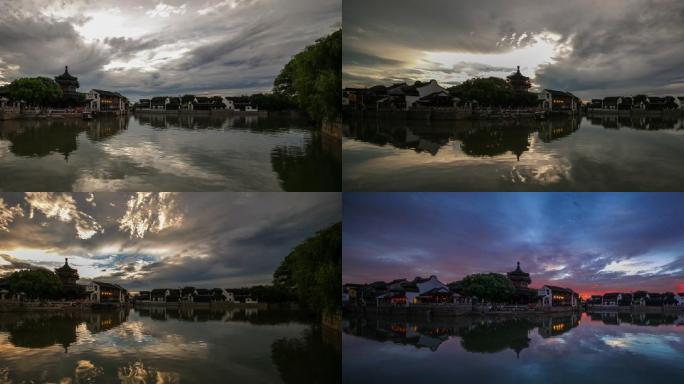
x,y
591,48
590,242
168,47
161,240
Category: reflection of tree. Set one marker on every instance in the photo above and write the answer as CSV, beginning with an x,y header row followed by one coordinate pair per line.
x,y
313,167
137,373
492,142
251,315
40,138
497,336
45,330
307,359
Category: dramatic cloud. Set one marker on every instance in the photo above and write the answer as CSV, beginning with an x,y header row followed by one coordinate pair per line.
x,y
161,48
591,48
146,240
589,242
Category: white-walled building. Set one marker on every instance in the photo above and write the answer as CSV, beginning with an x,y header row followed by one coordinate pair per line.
x,y
552,296
100,292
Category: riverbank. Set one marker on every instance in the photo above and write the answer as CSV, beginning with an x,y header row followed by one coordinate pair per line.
x,y
48,306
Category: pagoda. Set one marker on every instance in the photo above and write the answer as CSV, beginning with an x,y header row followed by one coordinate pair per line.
x,y
69,85
519,278
68,276
518,82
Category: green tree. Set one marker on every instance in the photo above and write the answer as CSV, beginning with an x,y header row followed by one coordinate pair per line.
x,y
313,78
492,287
312,271
492,92
36,284
39,91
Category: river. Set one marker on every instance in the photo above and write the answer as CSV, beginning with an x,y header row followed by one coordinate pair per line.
x,y
157,152
167,346
580,154
571,348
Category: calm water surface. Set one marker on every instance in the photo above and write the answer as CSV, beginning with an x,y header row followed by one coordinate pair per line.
x,y
587,154
156,152
586,348
167,346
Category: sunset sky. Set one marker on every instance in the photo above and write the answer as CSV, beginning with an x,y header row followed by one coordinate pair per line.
x,y
161,240
592,243
592,48
166,47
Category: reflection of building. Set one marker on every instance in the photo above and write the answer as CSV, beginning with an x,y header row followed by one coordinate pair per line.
x,y
554,326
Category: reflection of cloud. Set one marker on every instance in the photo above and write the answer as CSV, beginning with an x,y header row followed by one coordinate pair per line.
x,y
7,214
63,208
644,344
149,155
136,373
150,212
86,372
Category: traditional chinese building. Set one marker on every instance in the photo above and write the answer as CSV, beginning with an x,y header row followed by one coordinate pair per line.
x,y
519,278
518,82
69,85
68,276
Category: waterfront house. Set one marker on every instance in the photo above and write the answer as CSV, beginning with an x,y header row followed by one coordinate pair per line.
x,y
435,295
202,295
595,300
106,101
611,299
158,295
242,103
624,104
611,103
101,292
639,298
172,295
553,296
655,103
402,292
158,102
680,102
558,101
655,299
680,298
596,104
143,296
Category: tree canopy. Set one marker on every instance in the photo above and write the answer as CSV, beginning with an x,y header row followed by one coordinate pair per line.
x,y
313,78
36,284
492,92
493,287
39,91
312,271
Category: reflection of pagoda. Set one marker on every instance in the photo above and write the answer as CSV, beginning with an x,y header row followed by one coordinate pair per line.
x,y
518,82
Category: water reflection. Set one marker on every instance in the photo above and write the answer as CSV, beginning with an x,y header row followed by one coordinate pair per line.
x,y
587,153
478,335
160,345
169,152
535,348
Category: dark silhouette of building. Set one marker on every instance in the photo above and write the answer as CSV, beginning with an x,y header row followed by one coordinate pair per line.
x,y
519,278
69,85
68,276
518,82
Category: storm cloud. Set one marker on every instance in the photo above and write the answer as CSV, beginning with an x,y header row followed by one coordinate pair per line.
x,y
169,47
146,240
592,243
594,49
